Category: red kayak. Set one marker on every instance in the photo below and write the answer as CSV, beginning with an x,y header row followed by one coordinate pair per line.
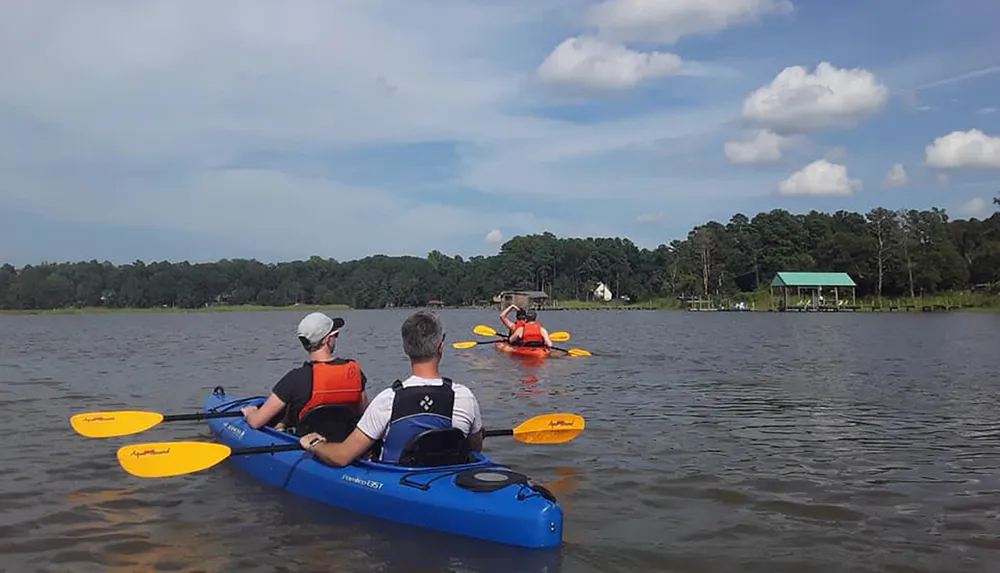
x,y
529,351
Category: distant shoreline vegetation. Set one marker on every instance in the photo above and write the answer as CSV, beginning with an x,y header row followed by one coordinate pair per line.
x,y
912,255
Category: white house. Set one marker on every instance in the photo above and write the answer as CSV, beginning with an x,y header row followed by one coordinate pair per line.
x,y
603,292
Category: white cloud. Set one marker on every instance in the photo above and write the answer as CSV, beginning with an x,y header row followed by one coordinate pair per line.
x,y
820,178
594,63
896,176
765,147
986,110
971,149
494,237
943,180
650,217
977,207
798,100
666,21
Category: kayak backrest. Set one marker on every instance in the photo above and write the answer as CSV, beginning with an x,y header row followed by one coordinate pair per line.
x,y
437,447
332,421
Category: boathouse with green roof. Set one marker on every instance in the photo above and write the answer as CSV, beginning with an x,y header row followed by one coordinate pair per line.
x,y
811,291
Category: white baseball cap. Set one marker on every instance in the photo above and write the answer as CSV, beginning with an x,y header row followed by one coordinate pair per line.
x,y
317,326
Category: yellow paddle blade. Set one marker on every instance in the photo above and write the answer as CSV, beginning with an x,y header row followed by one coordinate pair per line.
x,y
483,330
560,336
464,344
111,424
166,459
549,429
578,352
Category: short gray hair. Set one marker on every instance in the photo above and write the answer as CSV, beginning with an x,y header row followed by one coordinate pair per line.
x,y
422,334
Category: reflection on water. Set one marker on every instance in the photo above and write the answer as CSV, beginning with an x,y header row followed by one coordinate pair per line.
x,y
715,442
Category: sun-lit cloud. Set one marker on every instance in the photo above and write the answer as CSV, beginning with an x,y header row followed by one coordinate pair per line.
x,y
798,100
594,63
971,149
820,178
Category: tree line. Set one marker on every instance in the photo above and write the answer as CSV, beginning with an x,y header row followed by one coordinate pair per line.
x,y
888,253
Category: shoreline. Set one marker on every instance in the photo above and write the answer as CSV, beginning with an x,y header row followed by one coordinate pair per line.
x,y
937,306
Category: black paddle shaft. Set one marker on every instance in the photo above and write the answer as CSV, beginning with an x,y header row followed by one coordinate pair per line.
x,y
293,447
202,416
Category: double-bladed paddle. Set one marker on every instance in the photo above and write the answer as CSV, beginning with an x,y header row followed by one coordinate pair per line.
x,y
128,422
483,330
167,459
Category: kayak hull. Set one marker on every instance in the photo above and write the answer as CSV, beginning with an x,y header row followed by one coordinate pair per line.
x,y
523,515
526,351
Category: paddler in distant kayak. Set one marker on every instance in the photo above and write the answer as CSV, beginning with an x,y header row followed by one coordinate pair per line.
x,y
323,379
531,333
512,326
424,401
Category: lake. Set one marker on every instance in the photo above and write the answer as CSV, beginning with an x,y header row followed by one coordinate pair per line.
x,y
715,442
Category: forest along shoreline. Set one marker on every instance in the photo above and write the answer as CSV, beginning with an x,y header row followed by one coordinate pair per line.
x,y
899,260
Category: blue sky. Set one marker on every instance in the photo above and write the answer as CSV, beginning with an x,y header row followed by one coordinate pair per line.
x,y
174,129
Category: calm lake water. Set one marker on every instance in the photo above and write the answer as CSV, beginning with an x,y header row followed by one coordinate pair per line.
x,y
715,442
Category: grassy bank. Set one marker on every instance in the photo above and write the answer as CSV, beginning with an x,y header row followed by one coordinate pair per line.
x,y
762,301
656,304
956,301
160,310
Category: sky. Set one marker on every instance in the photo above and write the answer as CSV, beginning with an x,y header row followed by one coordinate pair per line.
x,y
200,130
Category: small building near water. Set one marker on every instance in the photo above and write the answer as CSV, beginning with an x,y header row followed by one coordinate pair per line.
x,y
434,303
813,291
522,298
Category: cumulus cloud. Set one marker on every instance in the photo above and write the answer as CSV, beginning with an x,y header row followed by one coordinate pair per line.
x,y
494,237
977,207
594,63
896,176
798,100
665,22
971,149
765,147
820,178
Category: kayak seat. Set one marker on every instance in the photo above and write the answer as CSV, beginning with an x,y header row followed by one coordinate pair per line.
x,y
437,447
332,421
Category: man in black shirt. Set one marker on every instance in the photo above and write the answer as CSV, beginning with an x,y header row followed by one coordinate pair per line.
x,y
323,379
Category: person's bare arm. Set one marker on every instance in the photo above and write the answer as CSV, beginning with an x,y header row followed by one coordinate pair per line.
x,y
503,317
257,417
545,336
337,453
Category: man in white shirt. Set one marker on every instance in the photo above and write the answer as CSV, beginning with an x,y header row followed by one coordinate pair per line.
x,y
424,401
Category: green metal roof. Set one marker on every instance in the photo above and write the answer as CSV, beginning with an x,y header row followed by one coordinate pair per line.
x,y
812,280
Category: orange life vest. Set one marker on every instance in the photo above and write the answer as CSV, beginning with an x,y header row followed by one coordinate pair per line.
x,y
517,324
334,384
532,332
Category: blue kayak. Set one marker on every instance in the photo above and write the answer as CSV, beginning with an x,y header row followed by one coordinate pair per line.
x,y
456,499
